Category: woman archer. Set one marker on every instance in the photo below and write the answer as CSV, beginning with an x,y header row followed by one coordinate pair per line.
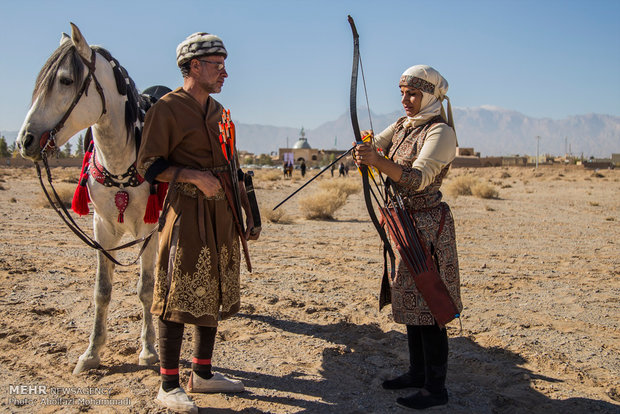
x,y
420,148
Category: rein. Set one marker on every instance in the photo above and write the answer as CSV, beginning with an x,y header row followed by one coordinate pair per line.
x,y
61,210
48,141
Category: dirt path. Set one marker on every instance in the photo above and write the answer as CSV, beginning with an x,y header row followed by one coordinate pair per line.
x,y
541,288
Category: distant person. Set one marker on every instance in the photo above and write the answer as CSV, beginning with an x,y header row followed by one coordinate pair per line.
x,y
420,149
332,169
285,169
346,170
302,167
341,170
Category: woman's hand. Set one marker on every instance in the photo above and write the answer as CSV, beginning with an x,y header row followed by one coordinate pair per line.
x,y
367,134
366,154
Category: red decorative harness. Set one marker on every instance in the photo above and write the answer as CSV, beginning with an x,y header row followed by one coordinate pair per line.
x,y
131,178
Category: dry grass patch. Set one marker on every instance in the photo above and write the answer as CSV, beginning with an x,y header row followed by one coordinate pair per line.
x,y
65,192
460,185
268,175
276,216
484,190
468,185
347,187
322,204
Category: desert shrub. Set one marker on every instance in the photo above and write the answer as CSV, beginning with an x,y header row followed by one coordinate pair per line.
x,y
504,175
484,190
322,204
13,200
597,175
275,216
268,175
468,185
347,187
460,185
65,192
2,187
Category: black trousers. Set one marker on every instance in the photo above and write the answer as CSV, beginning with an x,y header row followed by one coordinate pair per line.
x,y
170,340
428,355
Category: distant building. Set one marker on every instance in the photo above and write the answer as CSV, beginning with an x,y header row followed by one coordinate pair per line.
x,y
302,150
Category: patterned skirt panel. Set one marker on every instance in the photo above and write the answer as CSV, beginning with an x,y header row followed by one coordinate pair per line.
x,y
197,281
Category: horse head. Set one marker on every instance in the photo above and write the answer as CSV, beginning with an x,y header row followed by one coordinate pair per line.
x,y
71,94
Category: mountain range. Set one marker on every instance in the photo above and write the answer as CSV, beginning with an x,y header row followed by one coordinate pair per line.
x,y
489,130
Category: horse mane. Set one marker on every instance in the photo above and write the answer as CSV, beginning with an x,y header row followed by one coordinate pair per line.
x,y
135,106
45,80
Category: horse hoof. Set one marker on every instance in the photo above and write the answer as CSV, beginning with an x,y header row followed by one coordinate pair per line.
x,y
86,363
147,358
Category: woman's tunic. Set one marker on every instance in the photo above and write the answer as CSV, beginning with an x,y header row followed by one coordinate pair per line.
x,y
425,152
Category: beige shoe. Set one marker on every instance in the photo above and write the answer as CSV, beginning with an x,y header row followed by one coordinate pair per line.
x,y
217,383
176,400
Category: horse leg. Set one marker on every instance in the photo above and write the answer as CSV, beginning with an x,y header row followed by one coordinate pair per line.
x,y
102,295
148,354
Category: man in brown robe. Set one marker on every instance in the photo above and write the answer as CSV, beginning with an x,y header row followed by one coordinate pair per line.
x,y
197,279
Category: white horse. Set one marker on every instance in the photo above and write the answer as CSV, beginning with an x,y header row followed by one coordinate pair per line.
x,y
79,87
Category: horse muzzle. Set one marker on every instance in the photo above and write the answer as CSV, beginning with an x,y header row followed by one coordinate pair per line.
x,y
30,147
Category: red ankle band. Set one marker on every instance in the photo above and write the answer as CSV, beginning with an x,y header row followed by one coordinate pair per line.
x,y
201,361
166,371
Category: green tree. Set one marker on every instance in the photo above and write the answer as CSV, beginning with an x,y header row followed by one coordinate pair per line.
x,y
65,152
79,152
265,159
4,148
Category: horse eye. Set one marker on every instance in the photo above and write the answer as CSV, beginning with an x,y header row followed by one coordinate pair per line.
x,y
66,81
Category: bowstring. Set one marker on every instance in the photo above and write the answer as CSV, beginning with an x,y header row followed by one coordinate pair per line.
x,y
366,96
372,141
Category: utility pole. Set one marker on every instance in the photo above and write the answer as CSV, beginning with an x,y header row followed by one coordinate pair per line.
x,y
537,149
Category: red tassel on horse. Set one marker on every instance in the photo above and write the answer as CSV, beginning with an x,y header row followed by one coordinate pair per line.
x,y
80,201
152,207
79,204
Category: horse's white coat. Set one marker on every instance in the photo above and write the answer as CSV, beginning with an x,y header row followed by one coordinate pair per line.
x,y
115,147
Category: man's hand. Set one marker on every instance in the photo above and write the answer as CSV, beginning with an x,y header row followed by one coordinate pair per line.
x,y
206,182
251,232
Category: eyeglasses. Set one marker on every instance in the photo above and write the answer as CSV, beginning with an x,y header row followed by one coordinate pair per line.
x,y
220,66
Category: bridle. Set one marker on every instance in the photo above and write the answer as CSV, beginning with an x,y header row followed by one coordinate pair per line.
x,y
48,138
48,142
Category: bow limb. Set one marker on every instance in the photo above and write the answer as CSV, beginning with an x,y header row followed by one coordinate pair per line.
x,y
358,139
385,294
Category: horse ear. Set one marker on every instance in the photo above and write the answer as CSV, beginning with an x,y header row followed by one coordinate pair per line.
x,y
64,37
80,43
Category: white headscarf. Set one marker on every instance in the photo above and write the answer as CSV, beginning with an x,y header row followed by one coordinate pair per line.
x,y
434,88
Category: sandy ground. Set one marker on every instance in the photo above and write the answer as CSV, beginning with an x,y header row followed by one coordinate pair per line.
x,y
540,329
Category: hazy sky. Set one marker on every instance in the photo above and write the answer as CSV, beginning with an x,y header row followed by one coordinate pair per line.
x,y
290,61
